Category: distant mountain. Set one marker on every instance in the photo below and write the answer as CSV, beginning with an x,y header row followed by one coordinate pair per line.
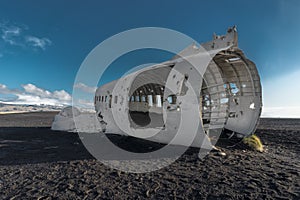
x,y
15,108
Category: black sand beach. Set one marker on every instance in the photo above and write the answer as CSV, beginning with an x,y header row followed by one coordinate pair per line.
x,y
37,163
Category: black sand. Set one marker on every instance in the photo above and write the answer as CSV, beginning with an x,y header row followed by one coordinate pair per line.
x,y
37,163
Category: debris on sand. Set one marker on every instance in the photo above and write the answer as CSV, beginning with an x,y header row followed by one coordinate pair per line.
x,y
85,122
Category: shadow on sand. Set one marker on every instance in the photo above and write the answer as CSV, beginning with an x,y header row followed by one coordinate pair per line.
x,y
28,145
38,145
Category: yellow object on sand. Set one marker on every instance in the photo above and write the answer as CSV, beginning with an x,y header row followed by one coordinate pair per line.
x,y
254,142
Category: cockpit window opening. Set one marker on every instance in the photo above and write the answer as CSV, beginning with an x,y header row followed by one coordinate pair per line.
x,y
172,99
110,100
158,101
137,98
150,100
143,98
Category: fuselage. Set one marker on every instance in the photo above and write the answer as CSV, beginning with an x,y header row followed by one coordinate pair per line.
x,y
212,89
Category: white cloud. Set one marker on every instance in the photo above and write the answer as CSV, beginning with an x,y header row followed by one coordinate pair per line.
x,y
10,34
2,86
85,88
86,103
33,95
63,95
32,89
18,35
4,89
38,42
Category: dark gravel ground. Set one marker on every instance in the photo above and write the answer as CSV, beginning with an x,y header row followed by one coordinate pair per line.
x,y
37,163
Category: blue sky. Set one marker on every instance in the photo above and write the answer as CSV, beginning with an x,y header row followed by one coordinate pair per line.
x,y
43,43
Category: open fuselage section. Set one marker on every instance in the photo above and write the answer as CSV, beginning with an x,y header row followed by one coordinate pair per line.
x,y
219,92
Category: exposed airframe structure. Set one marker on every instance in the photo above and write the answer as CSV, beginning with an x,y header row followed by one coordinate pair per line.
x,y
216,79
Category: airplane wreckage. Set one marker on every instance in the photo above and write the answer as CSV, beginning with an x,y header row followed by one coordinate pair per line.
x,y
202,92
